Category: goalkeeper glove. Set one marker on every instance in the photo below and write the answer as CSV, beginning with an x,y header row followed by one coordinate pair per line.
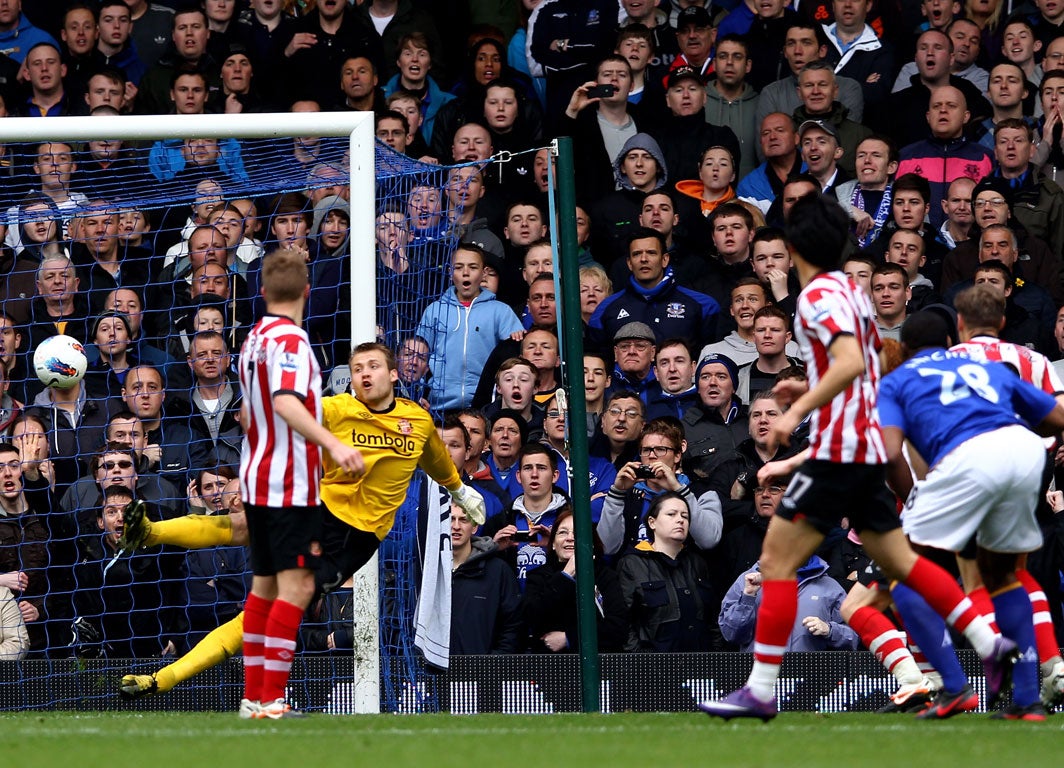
x,y
471,502
87,640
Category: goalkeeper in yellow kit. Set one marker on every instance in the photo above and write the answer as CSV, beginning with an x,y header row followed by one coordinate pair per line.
x,y
394,435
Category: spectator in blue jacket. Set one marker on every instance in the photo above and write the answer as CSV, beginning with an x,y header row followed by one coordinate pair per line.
x,y
653,296
819,627
462,327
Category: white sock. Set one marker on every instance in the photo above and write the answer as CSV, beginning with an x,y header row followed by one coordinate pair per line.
x,y
762,682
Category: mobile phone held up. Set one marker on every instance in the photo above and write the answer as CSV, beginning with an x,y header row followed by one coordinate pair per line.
x,y
601,91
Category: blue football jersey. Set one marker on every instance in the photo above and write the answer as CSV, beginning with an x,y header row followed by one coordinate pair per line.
x,y
940,398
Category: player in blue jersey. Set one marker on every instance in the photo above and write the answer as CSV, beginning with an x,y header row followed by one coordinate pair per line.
x,y
956,412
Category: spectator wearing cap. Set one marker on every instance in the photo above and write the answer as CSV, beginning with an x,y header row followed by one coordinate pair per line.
x,y
238,94
992,205
112,336
638,170
717,423
819,93
653,297
818,141
694,37
634,347
685,132
947,155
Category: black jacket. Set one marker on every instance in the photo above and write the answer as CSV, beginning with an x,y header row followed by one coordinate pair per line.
x,y
550,606
485,604
672,604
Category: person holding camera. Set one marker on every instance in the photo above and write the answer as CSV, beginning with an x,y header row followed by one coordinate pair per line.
x,y
621,526
521,531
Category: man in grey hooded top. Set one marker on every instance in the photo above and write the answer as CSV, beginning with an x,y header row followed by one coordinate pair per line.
x,y
329,308
638,169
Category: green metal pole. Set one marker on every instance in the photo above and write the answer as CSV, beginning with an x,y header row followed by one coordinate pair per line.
x,y
573,379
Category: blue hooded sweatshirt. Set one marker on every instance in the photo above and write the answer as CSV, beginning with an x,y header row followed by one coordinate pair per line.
x,y
461,338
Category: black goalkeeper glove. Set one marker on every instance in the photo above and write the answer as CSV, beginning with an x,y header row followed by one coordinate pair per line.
x,y
86,641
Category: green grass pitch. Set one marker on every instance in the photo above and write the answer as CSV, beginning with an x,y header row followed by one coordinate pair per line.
x,y
165,740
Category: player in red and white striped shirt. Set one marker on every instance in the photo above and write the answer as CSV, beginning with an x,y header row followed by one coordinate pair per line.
x,y
280,470
844,473
980,317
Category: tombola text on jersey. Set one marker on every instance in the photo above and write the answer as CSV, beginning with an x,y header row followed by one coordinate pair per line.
x,y
399,443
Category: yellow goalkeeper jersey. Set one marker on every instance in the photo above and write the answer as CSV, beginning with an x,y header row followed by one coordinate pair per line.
x,y
392,445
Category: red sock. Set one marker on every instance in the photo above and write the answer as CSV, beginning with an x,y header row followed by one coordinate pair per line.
x,y
879,635
942,593
256,609
281,630
775,620
981,598
1044,635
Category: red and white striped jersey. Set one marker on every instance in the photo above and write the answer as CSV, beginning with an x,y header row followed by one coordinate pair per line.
x,y
1033,367
846,430
278,466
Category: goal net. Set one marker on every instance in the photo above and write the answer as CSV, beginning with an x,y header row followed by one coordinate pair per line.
x,y
141,237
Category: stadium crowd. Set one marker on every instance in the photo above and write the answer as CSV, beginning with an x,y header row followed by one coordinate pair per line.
x,y
696,126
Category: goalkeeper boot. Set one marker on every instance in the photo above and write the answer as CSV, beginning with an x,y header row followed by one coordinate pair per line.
x,y
136,686
277,709
135,526
249,710
1053,687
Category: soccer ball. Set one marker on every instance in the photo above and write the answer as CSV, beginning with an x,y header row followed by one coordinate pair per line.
x,y
60,362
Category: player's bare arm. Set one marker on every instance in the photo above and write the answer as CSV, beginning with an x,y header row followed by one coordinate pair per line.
x,y
899,476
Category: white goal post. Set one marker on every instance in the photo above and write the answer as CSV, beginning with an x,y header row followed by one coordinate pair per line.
x,y
359,127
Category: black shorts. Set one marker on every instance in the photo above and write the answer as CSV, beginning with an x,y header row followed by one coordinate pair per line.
x,y
823,492
345,549
283,538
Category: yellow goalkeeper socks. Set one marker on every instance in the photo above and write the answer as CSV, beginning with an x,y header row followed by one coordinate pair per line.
x,y
216,647
191,531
